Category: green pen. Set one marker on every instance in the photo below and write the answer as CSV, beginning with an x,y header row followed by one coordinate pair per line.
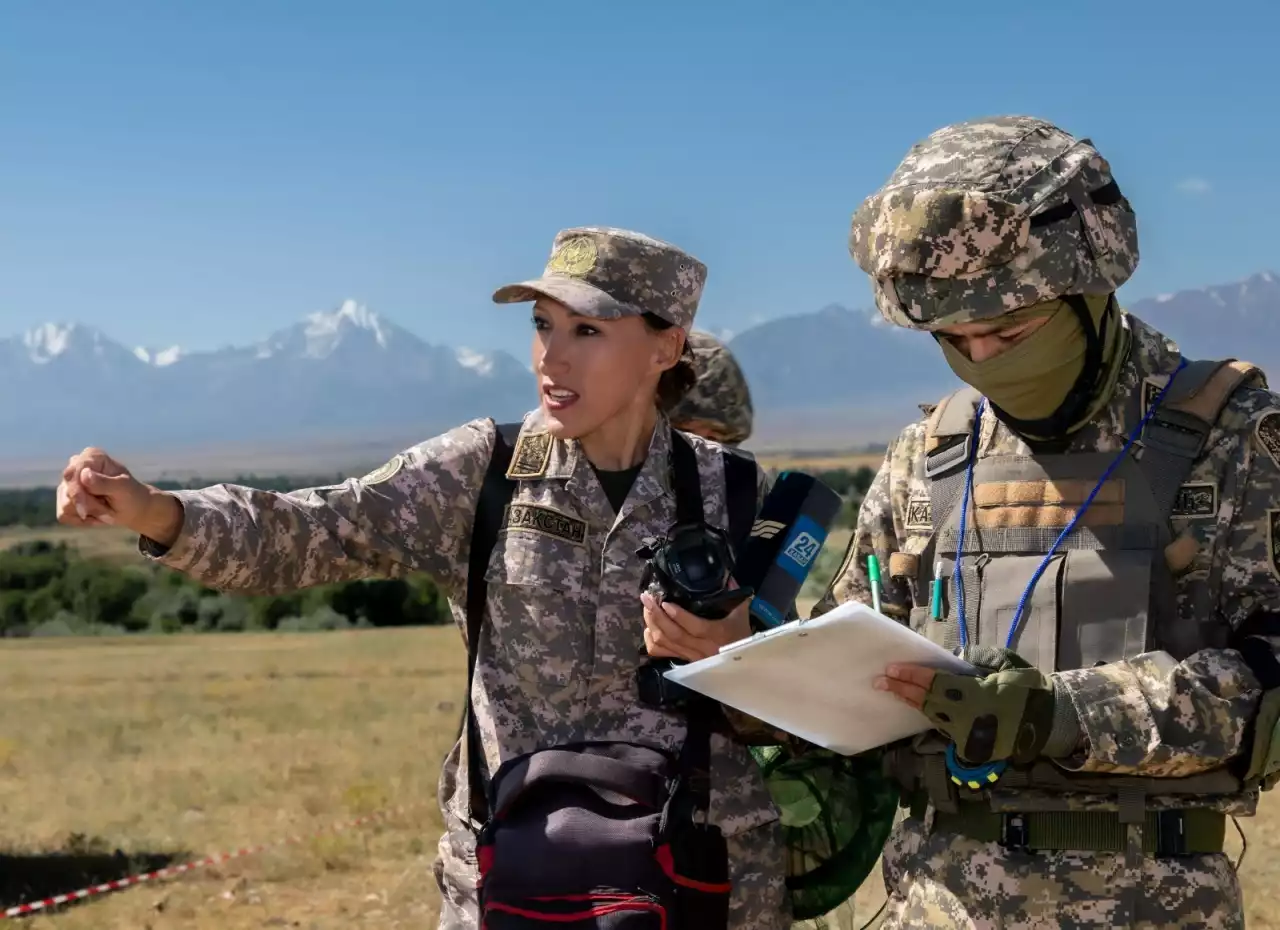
x,y
935,602
873,570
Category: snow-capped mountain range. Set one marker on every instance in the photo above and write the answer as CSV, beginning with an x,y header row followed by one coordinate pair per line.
x,y
831,378
348,371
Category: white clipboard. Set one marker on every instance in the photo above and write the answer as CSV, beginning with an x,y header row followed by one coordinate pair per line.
x,y
815,678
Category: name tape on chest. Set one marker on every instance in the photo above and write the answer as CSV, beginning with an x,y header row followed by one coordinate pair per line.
x,y
1196,499
530,457
536,518
1267,433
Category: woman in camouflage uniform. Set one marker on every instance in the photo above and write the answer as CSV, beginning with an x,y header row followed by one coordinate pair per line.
x,y
558,653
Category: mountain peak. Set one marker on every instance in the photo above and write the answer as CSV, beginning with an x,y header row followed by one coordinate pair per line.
x,y
324,330
49,341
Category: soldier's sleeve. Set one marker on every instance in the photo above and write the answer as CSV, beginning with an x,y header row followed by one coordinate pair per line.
x,y
414,514
1154,716
878,530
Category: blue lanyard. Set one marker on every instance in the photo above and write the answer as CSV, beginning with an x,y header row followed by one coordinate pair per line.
x,y
964,513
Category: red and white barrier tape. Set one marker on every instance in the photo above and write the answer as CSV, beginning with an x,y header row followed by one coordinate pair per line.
x,y
171,871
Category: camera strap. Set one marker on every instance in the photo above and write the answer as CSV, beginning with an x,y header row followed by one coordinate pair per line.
x,y
685,480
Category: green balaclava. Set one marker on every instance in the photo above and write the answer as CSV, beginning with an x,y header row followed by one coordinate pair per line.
x,y
1042,385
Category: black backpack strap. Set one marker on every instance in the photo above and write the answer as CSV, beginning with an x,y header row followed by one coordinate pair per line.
x,y
742,496
495,494
703,715
686,480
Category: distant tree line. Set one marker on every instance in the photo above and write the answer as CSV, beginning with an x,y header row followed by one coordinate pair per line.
x,y
36,507
47,589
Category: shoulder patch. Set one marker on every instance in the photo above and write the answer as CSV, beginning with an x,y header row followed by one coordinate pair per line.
x,y
385,472
532,452
1273,541
1267,433
535,518
919,514
1196,499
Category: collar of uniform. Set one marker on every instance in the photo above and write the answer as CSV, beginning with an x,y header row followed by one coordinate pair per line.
x,y
1151,355
541,456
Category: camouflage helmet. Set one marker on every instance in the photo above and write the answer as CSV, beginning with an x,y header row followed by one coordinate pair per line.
x,y
991,215
720,399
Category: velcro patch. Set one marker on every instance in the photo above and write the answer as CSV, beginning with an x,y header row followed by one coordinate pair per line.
x,y
530,457
1273,541
1152,385
1196,499
536,518
919,514
1267,432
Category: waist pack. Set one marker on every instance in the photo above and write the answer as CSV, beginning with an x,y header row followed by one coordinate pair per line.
x,y
597,834
600,835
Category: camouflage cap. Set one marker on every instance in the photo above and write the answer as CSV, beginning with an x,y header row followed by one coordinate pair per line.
x,y
990,215
611,273
720,399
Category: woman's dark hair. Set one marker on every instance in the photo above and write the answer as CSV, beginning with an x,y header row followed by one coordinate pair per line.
x,y
677,381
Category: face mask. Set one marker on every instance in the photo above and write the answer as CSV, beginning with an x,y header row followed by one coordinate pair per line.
x,y
1031,379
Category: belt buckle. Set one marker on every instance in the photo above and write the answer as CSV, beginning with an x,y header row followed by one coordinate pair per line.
x,y
1015,833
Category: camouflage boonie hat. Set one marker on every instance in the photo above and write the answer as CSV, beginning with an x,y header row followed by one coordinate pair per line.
x,y
720,398
611,273
991,215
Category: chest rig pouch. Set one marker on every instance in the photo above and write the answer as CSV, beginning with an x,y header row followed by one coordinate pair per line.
x,y
598,834
1107,594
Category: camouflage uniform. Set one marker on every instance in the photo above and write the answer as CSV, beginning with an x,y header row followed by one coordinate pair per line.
x,y
720,402
1150,715
564,630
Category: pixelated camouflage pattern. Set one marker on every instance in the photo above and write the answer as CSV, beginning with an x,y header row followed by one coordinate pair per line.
x,y
610,273
949,238
558,655
946,882
1146,716
719,403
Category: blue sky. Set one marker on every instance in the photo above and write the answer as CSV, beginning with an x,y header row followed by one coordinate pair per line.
x,y
205,173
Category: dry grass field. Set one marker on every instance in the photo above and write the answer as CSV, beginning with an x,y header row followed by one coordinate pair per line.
x,y
168,749
187,746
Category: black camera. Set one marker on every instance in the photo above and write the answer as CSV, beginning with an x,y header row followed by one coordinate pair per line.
x,y
691,567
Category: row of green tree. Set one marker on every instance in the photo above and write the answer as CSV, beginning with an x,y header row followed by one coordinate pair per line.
x,y
47,589
36,507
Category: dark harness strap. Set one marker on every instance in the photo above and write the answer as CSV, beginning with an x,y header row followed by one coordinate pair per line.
x,y
695,754
495,494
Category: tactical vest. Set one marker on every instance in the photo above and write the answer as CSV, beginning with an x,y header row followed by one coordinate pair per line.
x,y
1107,594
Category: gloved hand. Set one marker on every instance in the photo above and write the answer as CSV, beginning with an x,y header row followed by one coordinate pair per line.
x,y
1008,714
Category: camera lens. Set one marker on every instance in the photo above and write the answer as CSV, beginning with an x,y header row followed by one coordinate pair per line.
x,y
696,560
